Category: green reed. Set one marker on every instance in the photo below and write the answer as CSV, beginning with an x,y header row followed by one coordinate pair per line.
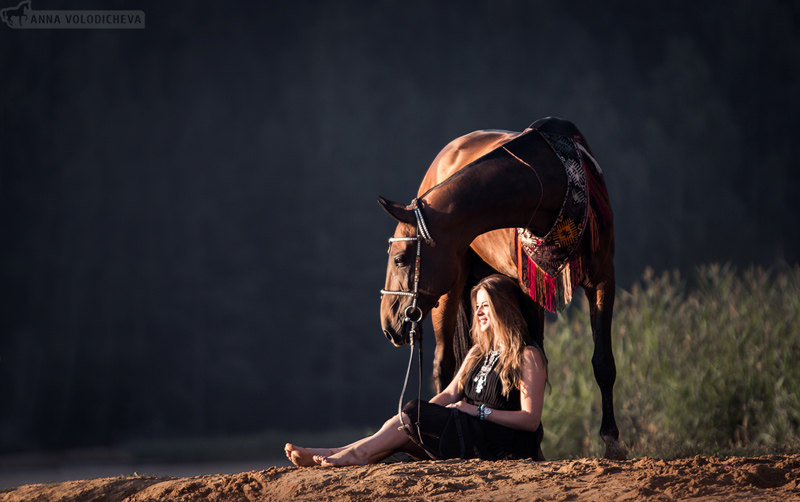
x,y
707,366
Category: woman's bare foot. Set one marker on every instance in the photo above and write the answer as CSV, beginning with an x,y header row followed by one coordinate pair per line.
x,y
304,457
341,459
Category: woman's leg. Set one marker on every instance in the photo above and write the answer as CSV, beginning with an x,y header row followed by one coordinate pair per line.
x,y
388,436
389,439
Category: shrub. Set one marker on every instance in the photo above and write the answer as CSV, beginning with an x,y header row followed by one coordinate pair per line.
x,y
710,367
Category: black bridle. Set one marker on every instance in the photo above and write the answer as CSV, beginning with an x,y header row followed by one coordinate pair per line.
x,y
413,314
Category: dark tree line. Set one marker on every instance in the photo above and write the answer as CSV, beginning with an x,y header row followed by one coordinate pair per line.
x,y
190,238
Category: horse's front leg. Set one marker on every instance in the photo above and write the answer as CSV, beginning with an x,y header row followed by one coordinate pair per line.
x,y
444,318
444,359
601,308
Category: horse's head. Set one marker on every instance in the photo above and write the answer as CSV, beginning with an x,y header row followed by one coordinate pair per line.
x,y
437,272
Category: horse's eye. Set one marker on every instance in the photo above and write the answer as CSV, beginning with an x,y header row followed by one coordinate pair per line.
x,y
400,261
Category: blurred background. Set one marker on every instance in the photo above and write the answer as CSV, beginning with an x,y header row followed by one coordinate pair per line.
x,y
191,245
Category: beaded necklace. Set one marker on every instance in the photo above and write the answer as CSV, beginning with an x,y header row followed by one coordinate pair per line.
x,y
488,363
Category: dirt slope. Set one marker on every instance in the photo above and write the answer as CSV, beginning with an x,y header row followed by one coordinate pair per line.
x,y
763,478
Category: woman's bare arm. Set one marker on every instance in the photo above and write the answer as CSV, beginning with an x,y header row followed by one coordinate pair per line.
x,y
534,376
451,393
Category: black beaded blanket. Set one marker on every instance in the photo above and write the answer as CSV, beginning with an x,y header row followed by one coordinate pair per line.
x,y
552,266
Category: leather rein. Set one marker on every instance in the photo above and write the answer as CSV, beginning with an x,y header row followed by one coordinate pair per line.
x,y
413,314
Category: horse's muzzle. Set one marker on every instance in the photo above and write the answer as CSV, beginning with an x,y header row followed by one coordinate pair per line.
x,y
396,339
404,337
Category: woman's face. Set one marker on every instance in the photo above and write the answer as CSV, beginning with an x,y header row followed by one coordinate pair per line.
x,y
482,311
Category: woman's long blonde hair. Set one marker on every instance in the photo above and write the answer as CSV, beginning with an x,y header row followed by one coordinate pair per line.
x,y
507,330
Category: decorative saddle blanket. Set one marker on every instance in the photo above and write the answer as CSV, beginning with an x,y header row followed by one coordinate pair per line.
x,y
552,266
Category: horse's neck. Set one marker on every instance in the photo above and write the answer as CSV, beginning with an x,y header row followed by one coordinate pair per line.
x,y
501,192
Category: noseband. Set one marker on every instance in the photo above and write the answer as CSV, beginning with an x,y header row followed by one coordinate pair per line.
x,y
413,313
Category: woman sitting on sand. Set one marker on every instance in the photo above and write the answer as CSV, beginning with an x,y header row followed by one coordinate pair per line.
x,y
491,409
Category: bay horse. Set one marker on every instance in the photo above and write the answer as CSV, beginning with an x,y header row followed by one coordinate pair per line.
x,y
484,196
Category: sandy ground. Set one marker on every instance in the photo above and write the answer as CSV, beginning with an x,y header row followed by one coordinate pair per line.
x,y
743,478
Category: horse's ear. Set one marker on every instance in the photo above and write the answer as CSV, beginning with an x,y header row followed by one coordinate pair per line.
x,y
398,211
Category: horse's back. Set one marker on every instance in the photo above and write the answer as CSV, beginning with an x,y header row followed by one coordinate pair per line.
x,y
556,125
461,152
470,147
561,127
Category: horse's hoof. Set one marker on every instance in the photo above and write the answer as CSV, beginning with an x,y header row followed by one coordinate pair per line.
x,y
614,450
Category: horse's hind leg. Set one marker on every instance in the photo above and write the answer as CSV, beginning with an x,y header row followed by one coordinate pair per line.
x,y
534,318
601,307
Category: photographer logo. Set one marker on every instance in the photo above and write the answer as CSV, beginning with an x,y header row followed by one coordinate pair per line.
x,y
23,17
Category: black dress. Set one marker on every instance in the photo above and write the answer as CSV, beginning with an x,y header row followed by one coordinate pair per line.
x,y
450,433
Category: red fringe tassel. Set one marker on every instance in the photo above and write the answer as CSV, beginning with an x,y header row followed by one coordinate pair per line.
x,y
555,293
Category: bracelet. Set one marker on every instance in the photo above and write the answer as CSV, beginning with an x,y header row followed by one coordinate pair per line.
x,y
482,412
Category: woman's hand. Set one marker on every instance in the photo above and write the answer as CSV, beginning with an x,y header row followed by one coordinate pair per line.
x,y
464,407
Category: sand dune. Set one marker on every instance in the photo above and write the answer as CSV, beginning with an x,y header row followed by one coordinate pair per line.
x,y
746,478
